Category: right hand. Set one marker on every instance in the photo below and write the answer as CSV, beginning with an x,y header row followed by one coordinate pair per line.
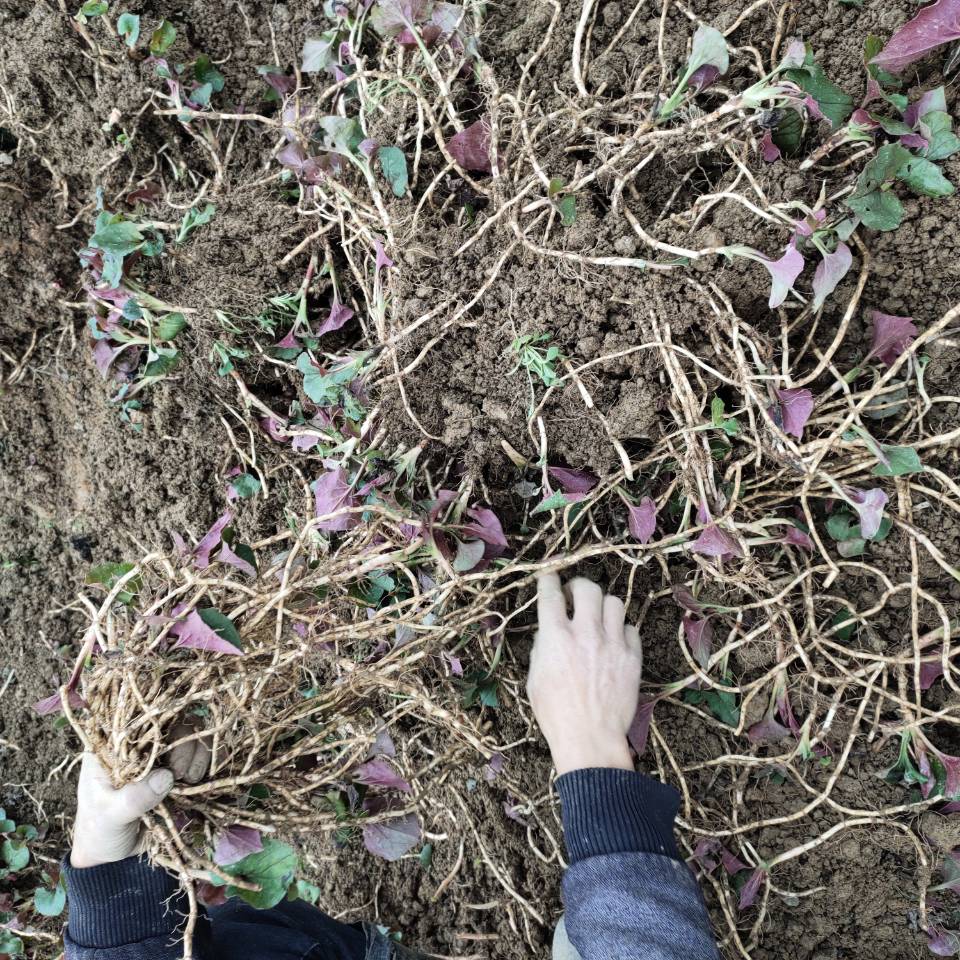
x,y
108,823
584,682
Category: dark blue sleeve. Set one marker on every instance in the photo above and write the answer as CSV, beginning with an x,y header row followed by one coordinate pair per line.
x,y
128,910
627,893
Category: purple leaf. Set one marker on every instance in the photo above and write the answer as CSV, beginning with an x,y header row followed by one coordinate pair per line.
x,y
731,863
685,599
339,315
770,151
914,141
272,428
930,28
379,773
103,356
930,672
383,261
934,99
332,493
794,409
471,147
703,77
210,539
456,667
383,746
703,853
194,634
714,542
783,273
494,768
368,147
869,505
642,519
512,809
943,943
639,730
235,843
952,766
226,555
766,730
830,271
699,636
53,704
797,538
573,481
487,527
392,838
813,108
891,336
289,342
749,891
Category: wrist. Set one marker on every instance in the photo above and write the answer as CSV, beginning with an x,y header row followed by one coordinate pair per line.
x,y
609,753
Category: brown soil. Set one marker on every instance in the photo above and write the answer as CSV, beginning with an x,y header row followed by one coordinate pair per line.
x,y
79,486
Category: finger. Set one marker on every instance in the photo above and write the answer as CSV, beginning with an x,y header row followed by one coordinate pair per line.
x,y
587,603
136,799
614,615
632,636
551,603
200,762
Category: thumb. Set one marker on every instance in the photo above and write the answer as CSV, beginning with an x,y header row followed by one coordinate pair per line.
x,y
136,799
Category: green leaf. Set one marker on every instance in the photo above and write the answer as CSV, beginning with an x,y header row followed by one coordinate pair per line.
x,y
273,868
925,177
903,460
170,325
205,72
50,903
128,26
834,104
16,855
221,625
194,218
841,617
937,127
556,185
162,39
301,890
394,166
842,526
94,8
871,47
568,210
6,826
161,362
120,238
729,426
883,168
426,856
554,502
788,133
879,210
201,95
9,944
108,574
245,485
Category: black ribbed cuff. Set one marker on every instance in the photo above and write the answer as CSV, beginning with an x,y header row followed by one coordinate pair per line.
x,y
121,903
608,810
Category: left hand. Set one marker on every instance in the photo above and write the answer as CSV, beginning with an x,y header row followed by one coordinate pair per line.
x,y
108,823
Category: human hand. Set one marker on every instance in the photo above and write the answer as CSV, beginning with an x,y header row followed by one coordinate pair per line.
x,y
108,824
584,681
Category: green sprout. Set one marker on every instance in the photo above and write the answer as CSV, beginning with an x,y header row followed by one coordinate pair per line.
x,y
537,359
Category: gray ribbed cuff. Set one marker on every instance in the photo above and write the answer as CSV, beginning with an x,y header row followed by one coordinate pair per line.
x,y
609,810
121,903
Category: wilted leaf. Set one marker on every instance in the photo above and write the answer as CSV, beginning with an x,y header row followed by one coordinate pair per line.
x,y
932,27
709,58
798,538
232,558
235,843
391,839
332,492
338,316
749,891
486,526
783,273
642,521
830,271
471,147
770,150
53,704
900,462
210,539
943,943
379,773
394,166
768,729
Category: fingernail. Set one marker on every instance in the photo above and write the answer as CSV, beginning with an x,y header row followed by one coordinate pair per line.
x,y
160,781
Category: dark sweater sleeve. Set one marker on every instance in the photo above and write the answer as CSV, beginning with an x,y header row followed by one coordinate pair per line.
x,y
628,895
128,910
